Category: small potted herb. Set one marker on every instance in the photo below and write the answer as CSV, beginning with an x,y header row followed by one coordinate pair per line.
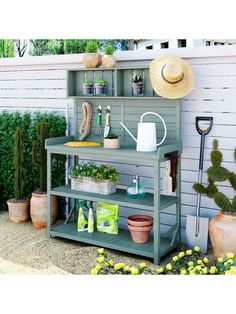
x,y
88,87
92,59
112,141
108,59
100,87
137,79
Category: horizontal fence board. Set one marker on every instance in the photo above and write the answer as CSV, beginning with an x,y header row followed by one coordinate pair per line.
x,y
29,84
33,93
32,75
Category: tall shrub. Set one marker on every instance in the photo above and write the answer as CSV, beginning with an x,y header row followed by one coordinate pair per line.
x,y
18,164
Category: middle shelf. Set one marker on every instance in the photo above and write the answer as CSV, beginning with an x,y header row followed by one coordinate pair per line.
x,y
120,198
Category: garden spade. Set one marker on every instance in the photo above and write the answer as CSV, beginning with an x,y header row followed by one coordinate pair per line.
x,y
107,125
197,226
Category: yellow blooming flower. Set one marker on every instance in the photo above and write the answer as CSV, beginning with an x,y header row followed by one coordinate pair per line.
x,y
206,260
127,268
181,254
189,252
101,251
192,272
213,270
169,267
101,259
220,260
205,270
197,249
134,271
190,264
94,271
199,262
119,266
198,267
230,255
160,270
232,271
183,272
230,261
190,268
98,267
143,265
175,258
225,263
109,263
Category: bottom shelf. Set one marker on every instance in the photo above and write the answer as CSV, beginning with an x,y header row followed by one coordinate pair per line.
x,y
120,242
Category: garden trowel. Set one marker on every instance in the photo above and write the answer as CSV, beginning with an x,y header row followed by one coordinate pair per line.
x,y
196,226
107,125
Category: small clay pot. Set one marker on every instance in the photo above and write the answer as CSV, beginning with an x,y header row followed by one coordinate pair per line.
x,y
100,89
87,89
18,210
137,89
109,61
111,143
140,234
140,220
92,60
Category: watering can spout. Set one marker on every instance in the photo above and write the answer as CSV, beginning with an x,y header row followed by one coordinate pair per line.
x,y
128,132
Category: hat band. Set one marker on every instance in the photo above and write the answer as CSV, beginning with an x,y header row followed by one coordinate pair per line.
x,y
167,81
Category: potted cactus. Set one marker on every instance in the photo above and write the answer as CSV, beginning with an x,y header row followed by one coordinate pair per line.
x,y
137,79
18,207
88,87
100,87
38,202
92,59
222,227
108,59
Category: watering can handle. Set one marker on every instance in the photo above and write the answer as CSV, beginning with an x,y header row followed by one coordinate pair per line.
x,y
162,120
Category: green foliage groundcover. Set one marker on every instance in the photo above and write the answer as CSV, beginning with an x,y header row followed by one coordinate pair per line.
x,y
28,122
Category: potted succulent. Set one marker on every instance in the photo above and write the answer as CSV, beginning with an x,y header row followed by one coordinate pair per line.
x,y
137,79
92,59
222,227
38,202
88,87
100,87
112,141
89,177
108,59
18,207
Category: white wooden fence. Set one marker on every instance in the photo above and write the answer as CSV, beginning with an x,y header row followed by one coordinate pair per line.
x,y
39,83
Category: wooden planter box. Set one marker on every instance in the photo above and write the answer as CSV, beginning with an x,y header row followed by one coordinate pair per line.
x,y
90,185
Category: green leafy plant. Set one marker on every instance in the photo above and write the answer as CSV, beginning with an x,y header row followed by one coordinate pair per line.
x,y
100,82
88,82
91,47
137,76
91,170
109,50
218,173
18,164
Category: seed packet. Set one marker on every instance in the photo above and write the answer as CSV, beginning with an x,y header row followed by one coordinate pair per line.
x,y
107,218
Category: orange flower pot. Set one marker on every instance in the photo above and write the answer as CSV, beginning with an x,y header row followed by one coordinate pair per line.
x,y
140,234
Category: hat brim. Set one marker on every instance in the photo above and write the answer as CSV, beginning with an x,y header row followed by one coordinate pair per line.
x,y
165,89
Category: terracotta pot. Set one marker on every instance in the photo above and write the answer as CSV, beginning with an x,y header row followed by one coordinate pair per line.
x,y
38,209
92,60
109,61
18,210
111,143
140,220
139,234
222,230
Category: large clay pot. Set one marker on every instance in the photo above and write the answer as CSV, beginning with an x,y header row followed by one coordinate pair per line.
x,y
38,209
92,60
18,210
222,230
109,61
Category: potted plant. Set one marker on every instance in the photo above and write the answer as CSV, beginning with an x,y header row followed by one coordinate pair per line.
x,y
38,202
100,87
108,59
88,87
89,177
137,79
18,207
112,141
92,59
222,227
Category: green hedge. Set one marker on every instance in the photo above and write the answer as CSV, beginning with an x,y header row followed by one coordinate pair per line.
x,y
28,122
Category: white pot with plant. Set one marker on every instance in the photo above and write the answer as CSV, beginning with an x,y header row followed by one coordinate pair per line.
x,y
137,79
92,58
100,87
112,141
222,227
108,59
88,87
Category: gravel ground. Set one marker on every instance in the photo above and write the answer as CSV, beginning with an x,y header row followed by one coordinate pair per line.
x,y
24,249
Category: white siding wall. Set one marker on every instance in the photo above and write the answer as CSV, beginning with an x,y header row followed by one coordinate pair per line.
x,y
39,83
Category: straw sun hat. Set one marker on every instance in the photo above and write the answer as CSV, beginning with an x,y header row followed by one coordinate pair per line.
x,y
171,76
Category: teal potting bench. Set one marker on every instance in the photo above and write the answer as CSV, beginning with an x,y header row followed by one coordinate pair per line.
x,y
128,109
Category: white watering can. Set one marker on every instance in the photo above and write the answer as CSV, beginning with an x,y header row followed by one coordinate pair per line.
x,y
146,137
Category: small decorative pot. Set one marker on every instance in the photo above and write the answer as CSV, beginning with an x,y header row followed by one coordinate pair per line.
x,y
140,234
92,60
100,89
87,89
109,61
222,230
140,220
111,143
137,89
18,210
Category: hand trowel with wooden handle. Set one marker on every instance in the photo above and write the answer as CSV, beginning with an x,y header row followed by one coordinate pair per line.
x,y
107,125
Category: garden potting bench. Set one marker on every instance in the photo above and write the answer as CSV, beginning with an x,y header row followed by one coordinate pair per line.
x,y
128,109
